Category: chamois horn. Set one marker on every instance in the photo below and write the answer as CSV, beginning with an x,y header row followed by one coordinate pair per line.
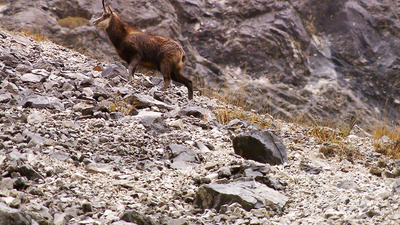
x,y
104,7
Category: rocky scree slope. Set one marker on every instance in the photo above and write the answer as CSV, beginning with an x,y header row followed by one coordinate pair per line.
x,y
335,60
80,146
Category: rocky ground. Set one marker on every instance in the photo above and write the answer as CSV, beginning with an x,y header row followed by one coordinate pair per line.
x,y
326,60
82,143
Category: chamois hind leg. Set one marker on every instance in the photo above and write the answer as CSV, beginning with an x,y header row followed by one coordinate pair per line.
x,y
178,77
132,66
165,70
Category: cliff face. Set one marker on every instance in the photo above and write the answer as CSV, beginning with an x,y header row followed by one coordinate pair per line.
x,y
324,59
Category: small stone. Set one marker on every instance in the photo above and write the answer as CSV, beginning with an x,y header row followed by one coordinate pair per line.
x,y
98,168
6,184
87,207
6,97
224,172
309,169
88,92
396,186
35,117
135,217
78,176
33,78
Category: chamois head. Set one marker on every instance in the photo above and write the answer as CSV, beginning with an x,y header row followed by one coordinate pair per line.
x,y
104,20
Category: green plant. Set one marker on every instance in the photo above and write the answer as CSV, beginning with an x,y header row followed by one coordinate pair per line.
x,y
73,22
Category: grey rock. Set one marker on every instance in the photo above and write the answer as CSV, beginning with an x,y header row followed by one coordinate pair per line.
x,y
13,216
9,59
113,70
248,194
261,146
309,169
135,217
35,117
41,102
4,98
32,78
141,101
251,173
21,183
224,172
87,207
159,126
6,184
84,107
348,185
202,147
396,186
27,171
148,117
197,112
34,139
183,157
98,168
60,155
24,68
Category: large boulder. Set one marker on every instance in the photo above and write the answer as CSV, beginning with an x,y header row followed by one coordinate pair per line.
x,y
249,194
261,146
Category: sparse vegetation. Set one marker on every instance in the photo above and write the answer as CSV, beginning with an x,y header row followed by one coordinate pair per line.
x,y
121,106
73,22
36,35
235,106
387,140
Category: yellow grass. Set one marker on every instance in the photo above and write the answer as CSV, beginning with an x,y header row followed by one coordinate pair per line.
x,y
36,35
73,22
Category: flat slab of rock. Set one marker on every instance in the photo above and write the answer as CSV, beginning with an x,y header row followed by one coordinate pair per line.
x,y
41,102
182,156
261,146
249,194
145,101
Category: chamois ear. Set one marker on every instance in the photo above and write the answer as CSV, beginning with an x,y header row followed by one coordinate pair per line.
x,y
109,9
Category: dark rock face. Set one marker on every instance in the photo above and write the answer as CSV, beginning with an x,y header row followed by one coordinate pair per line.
x,y
331,59
261,146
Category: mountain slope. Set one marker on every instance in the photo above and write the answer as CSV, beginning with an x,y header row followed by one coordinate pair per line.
x,y
75,151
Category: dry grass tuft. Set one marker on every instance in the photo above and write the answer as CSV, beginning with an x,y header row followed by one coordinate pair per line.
x,y
326,134
73,22
387,140
35,35
333,143
234,106
119,105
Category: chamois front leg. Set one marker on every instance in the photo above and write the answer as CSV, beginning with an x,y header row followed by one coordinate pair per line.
x,y
132,68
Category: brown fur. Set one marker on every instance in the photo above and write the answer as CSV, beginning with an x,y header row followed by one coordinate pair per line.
x,y
151,51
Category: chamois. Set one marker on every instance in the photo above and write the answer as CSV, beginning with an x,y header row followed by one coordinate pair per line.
x,y
139,48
